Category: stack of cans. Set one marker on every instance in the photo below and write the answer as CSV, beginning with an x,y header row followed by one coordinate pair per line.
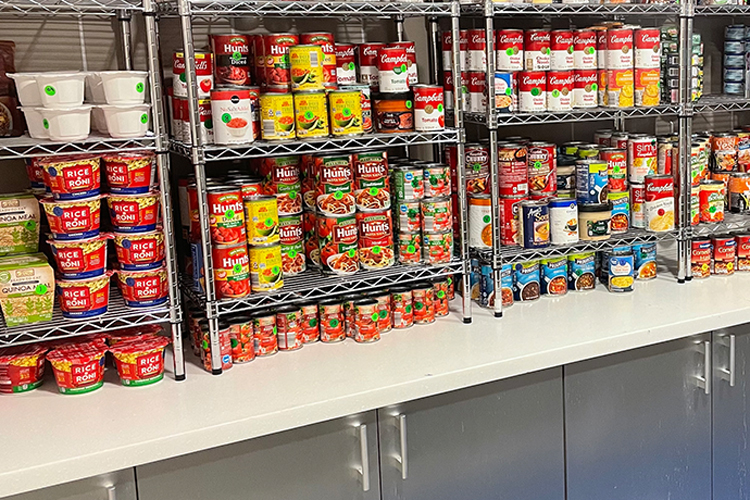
x,y
734,59
696,68
670,64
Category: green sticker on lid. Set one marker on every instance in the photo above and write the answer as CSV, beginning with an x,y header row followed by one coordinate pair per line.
x,y
50,90
408,104
441,294
139,87
144,118
45,123
236,56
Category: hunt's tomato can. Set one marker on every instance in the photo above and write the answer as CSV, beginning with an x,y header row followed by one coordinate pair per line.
x,y
367,53
724,254
532,91
393,70
411,61
371,182
620,48
509,50
561,50
325,42
334,180
366,321
331,319
429,111
423,301
226,215
584,49
647,48
617,168
338,239
401,308
375,228
512,169
701,254
346,68
231,270
659,203
231,54
204,72
231,116
277,70
289,328
476,57
258,62
542,168
137,251
585,88
291,238
560,86
536,50
135,213
281,178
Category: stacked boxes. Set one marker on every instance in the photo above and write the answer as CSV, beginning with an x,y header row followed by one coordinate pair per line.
x,y
735,45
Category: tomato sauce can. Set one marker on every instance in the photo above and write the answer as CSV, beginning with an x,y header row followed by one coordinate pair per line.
x,y
617,169
372,188
277,116
334,180
542,168
409,247
292,244
409,216
312,251
402,309
561,50
385,319
712,195
437,214
509,210
311,114
264,333
584,49
476,56
231,270
423,301
620,48
332,323
429,111
437,248
536,50
647,48
739,192
289,328
477,165
203,71
309,330
440,292
345,108
327,46
338,239
411,61
265,268
367,54
366,321
234,122
724,254
642,157
347,302
346,68
585,88
262,220
375,228
241,338
281,178
560,85
701,255
437,180
278,67
532,91
509,49
393,70
513,169
408,183
231,59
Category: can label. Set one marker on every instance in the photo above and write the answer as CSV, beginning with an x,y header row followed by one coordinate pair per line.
x,y
620,88
291,237
585,89
695,205
409,183
311,115
532,91
411,61
584,49
513,171
647,82
739,193
437,180
617,169
346,68
375,239
647,48
542,169
476,57
277,68
231,270
711,202
410,247
346,112
429,112
368,62
226,216
234,123
401,305
509,220
509,50
393,70
619,48
203,71
371,182
331,318
480,222
560,90
337,239
601,47
277,116
334,179
231,59
561,50
328,48
642,158
281,178
537,50
265,268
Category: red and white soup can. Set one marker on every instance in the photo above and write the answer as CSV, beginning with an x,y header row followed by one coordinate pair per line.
x,y
346,68
536,44
601,47
477,92
476,56
584,49
448,89
411,60
446,46
204,72
509,50
561,50
463,49
429,111
367,53
620,48
232,119
393,70
585,88
647,48
532,91
560,85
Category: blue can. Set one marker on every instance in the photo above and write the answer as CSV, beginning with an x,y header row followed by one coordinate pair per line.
x,y
581,271
506,285
620,221
735,75
645,261
620,272
734,47
526,279
734,60
533,223
591,181
554,276
504,91
734,32
474,279
486,285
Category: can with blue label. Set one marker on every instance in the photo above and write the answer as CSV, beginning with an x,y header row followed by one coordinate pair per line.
x,y
486,285
620,268
554,276
563,221
474,279
620,221
734,32
735,75
506,285
734,47
645,261
533,223
591,181
581,271
734,60
734,88
526,280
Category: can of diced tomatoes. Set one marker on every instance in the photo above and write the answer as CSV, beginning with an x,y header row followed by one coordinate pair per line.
x,y
585,88
411,61
429,112
509,219
325,42
385,320
561,50
700,257
509,49
512,170
277,69
309,330
331,319
402,308
437,248
620,48
203,71
647,48
638,205
437,214
423,300
233,122
584,49
440,291
231,270
289,328
532,91
409,247
560,85
617,168
536,50
393,67
476,58
695,205
226,215
231,54
542,168
366,320
367,54
659,203
346,69
264,333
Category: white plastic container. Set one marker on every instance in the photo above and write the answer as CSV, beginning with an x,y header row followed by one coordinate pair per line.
x,y
35,123
98,121
61,90
26,87
67,124
94,88
127,121
124,87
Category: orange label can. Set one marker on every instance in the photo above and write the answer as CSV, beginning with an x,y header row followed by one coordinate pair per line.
x,y
366,321
620,88
647,87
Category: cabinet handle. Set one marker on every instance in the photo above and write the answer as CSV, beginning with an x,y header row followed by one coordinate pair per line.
x,y
728,374
111,493
403,459
704,382
363,450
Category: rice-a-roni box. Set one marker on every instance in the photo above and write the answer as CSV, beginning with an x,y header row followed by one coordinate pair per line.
x,y
27,289
19,224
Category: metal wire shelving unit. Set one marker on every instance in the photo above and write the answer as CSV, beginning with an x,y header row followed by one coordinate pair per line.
x,y
311,285
118,314
576,115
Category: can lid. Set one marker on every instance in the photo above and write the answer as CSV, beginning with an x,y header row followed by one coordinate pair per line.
x,y
534,203
287,309
366,302
712,182
595,207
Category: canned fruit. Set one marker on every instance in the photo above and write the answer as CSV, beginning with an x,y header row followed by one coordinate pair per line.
x,y
265,268
72,177
262,220
145,288
140,250
80,259
73,220
134,213
129,173
231,270
84,298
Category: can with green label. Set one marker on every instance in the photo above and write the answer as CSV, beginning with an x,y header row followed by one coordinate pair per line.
x,y
292,244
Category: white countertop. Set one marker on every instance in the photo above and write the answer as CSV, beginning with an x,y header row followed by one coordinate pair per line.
x,y
49,439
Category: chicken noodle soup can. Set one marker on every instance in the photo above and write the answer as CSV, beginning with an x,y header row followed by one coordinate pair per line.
x,y
366,321
402,310
584,49
537,50
266,268
532,91
311,114
647,48
509,50
560,86
561,50
277,116
620,48
232,118
345,108
585,88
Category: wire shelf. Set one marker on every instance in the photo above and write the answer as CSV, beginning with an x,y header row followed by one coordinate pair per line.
x,y
313,285
68,7
26,147
511,255
571,8
577,115
308,8
118,315
263,149
721,10
718,103
732,222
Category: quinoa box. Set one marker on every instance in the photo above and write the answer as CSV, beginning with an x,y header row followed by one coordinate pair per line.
x,y
19,224
27,289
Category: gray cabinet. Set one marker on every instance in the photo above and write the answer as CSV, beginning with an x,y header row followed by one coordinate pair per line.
x,y
322,461
502,440
731,404
118,485
638,424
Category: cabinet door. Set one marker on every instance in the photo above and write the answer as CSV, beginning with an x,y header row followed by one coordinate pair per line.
x,y
731,405
638,424
322,461
502,440
118,485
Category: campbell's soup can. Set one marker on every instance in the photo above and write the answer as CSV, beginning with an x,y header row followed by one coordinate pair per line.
x,y
512,170
536,50
411,61
477,87
617,168
561,50
620,88
429,112
476,59
448,89
278,68
231,59
647,48
620,48
325,42
603,136
659,205
647,84
642,157
509,232
637,205
601,46
701,254
509,50
204,73
367,53
446,46
532,91
346,68
393,70
542,168
585,88
560,86
233,121
463,49
584,49
206,124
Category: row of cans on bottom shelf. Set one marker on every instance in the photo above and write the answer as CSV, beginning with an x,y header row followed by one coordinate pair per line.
x,y
720,254
362,317
527,281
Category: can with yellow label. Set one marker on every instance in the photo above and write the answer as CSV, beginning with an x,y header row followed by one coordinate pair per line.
x,y
306,62
311,114
262,220
345,110
277,116
265,268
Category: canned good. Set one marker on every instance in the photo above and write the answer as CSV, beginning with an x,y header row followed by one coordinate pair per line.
x,y
743,252
620,221
645,261
724,254
365,104
618,270
289,328
429,112
331,318
276,47
617,168
563,221
581,271
371,182
375,229
566,177
385,321
513,169
585,88
506,285
261,219
277,117
292,245
619,48
393,112
346,69
509,220
584,49
337,239
423,300
591,181
527,281
282,178
561,50
411,60
532,91
480,219
231,270
409,216
437,215
560,85
409,247
437,248
701,255
554,276
311,114
325,42
712,195
366,321
310,332
537,50
642,157
509,50
638,205
442,298
393,64
594,221
226,215
346,112
533,224
620,88
265,268
232,108
401,308
203,72
349,313
659,203
695,205
437,180
334,178
739,192
542,168
264,333
367,53
408,183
